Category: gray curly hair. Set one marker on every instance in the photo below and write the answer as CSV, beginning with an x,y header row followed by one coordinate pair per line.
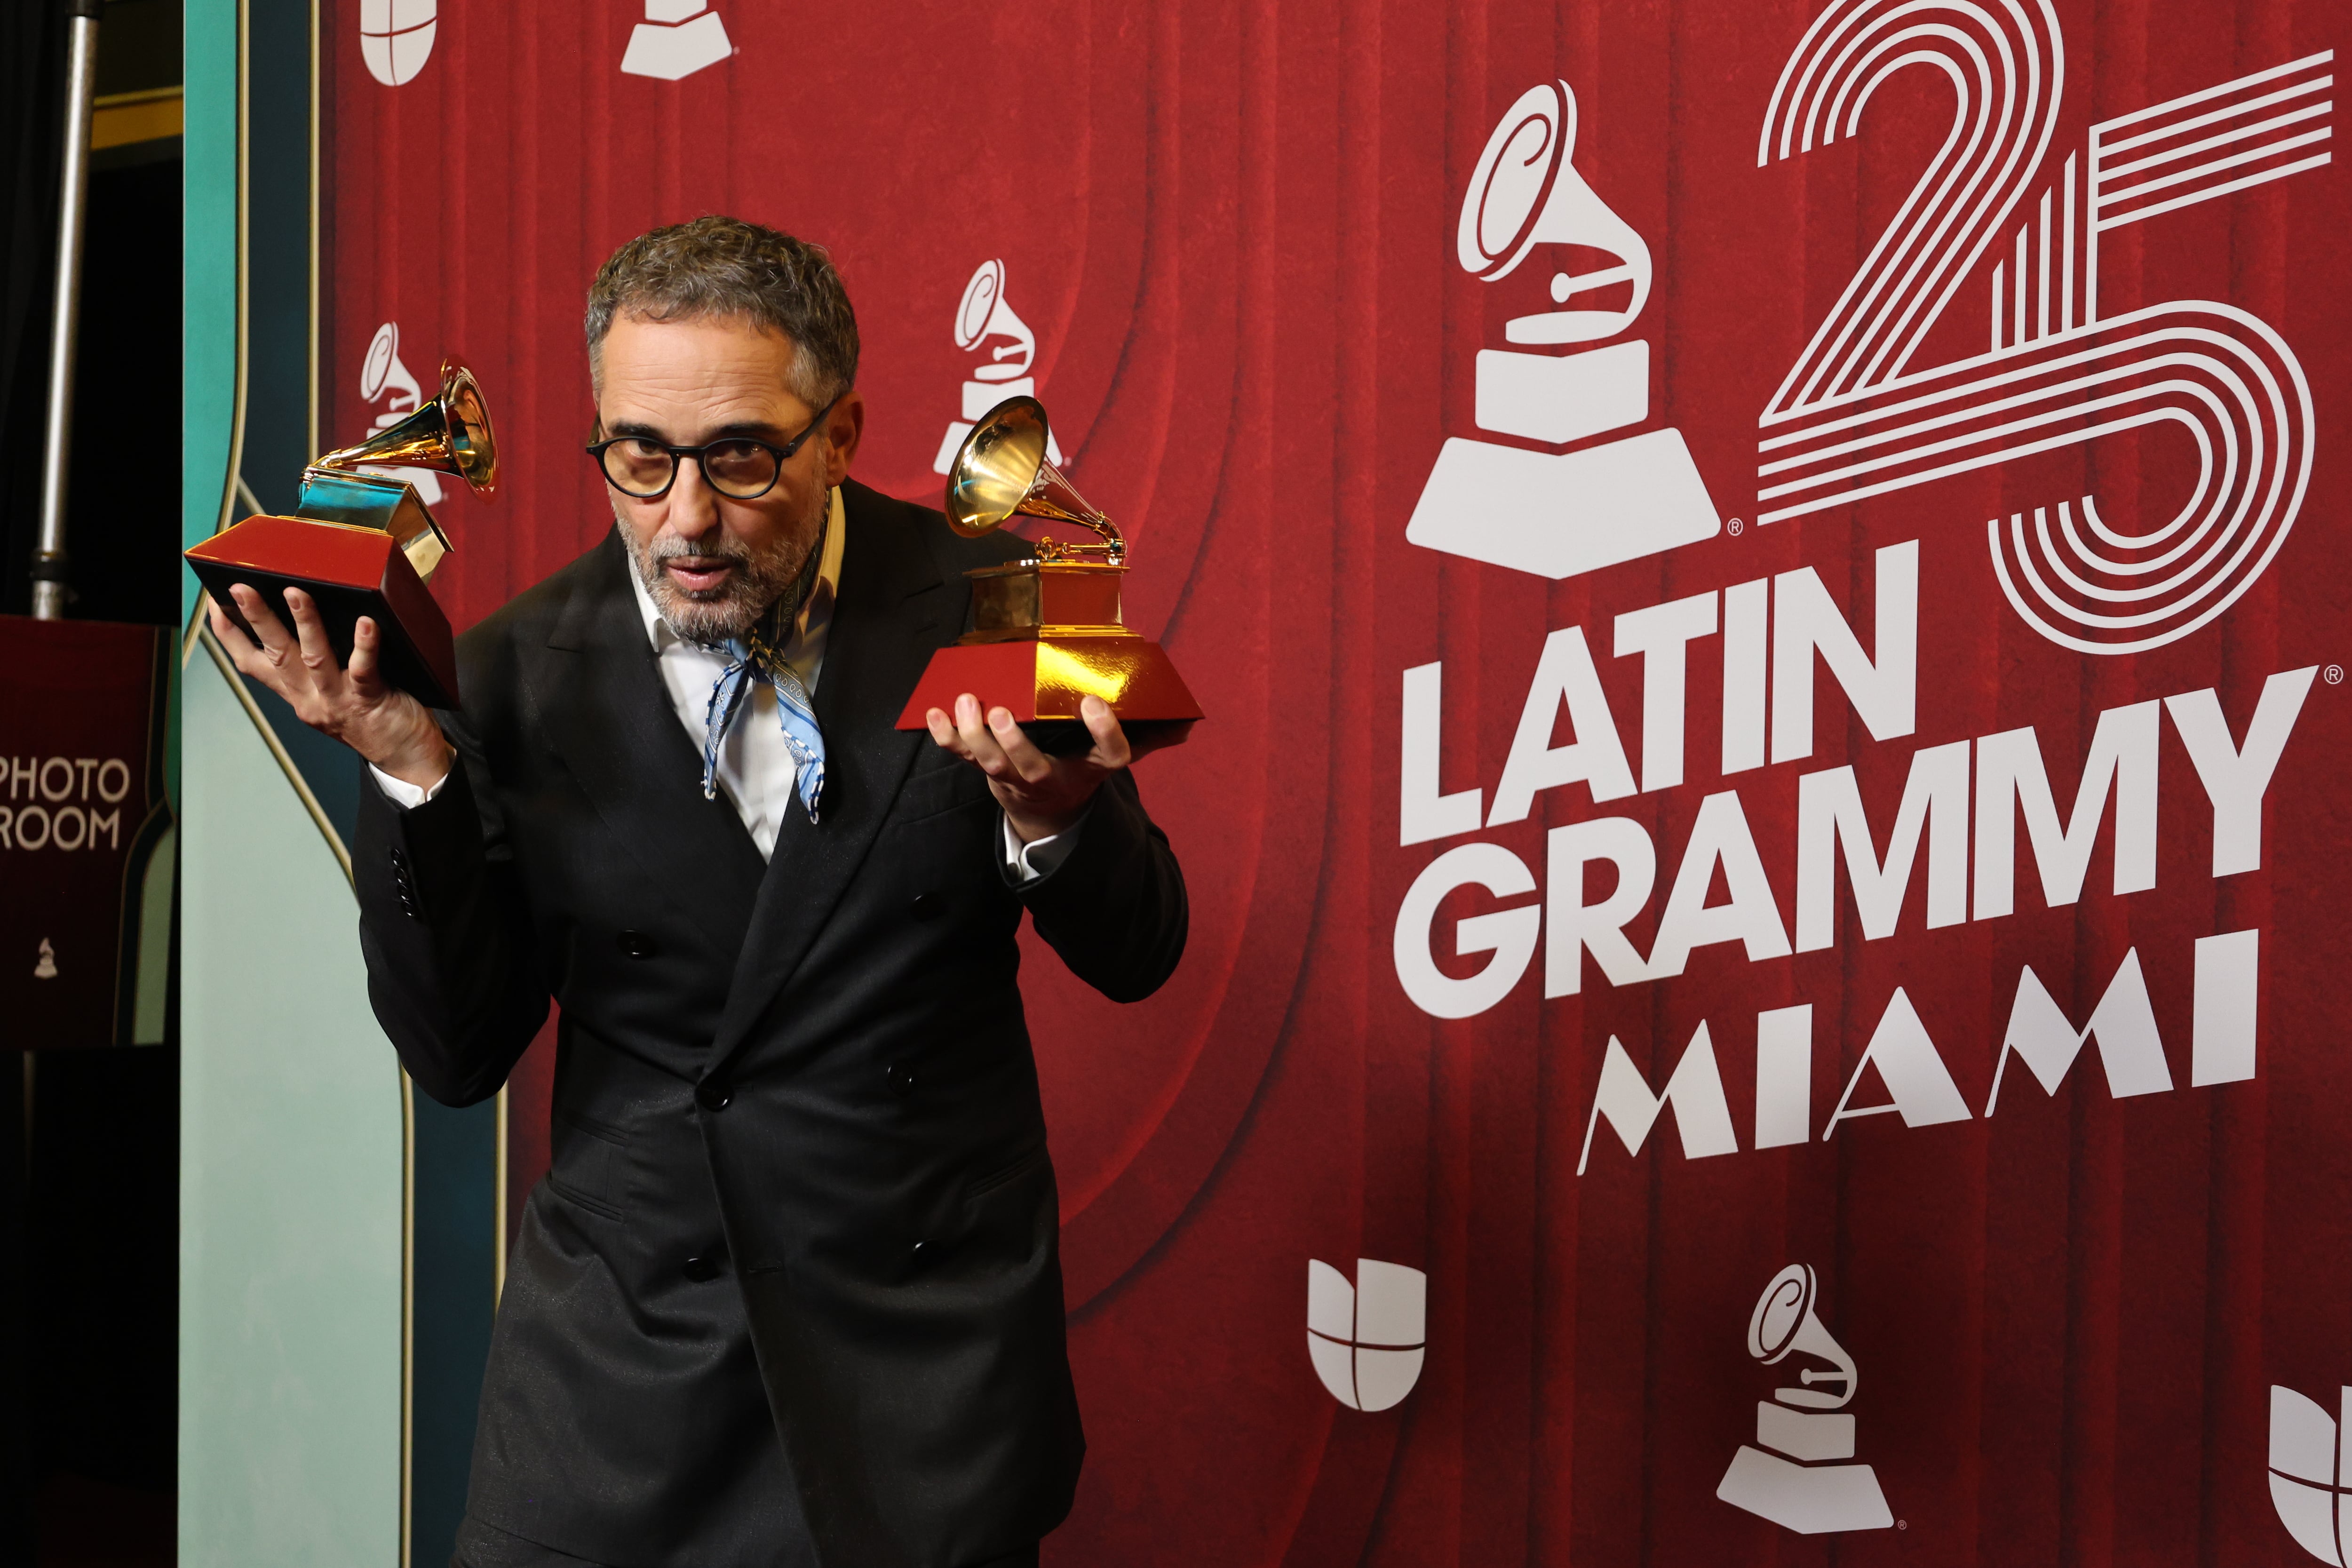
x,y
726,267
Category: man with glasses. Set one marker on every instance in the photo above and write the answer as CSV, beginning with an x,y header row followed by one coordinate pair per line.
x,y
789,1292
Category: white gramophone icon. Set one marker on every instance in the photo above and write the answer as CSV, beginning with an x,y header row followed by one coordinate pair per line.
x,y
1792,1480
983,315
1558,509
677,38
380,373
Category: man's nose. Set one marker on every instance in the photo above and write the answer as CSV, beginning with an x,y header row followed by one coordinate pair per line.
x,y
693,504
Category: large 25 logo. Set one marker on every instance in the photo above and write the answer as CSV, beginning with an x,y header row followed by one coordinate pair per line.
x,y
1853,419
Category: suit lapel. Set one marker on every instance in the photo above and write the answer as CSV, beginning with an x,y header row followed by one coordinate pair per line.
x,y
891,611
600,695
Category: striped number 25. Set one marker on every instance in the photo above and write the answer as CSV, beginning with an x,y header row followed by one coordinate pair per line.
x,y
1856,418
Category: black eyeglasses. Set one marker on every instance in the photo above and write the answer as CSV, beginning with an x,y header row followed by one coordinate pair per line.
x,y
738,468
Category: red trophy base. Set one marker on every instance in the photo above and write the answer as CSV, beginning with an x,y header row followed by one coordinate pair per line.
x,y
348,573
1046,635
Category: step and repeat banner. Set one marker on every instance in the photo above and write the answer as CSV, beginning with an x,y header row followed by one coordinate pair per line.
x,y
1769,582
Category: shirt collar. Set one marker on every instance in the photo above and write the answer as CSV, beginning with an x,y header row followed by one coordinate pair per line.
x,y
809,628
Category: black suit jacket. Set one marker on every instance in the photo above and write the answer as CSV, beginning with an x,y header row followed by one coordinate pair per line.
x,y
796,1254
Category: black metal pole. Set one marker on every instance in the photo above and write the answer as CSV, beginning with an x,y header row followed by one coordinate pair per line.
x,y
73,219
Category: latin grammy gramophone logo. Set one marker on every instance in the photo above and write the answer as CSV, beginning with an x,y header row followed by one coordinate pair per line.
x,y
1797,1476
1367,1339
677,38
2311,1473
984,320
382,375
1561,504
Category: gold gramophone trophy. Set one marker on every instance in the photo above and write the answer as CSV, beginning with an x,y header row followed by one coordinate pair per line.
x,y
1045,630
362,544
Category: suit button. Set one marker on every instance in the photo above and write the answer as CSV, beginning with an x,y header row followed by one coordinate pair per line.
x,y
636,945
918,1250
928,907
399,861
714,1093
702,1269
902,1079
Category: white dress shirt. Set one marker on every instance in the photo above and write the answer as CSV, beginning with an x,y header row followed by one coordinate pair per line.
x,y
757,771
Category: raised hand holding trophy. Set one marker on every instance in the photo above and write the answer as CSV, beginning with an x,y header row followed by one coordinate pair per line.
x,y
1045,630
362,544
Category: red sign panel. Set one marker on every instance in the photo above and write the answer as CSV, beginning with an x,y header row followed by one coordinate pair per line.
x,y
82,817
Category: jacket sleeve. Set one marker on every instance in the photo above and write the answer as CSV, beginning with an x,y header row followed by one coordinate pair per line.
x,y
1114,909
447,932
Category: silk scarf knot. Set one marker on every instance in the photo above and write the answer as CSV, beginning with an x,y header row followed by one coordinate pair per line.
x,y
755,657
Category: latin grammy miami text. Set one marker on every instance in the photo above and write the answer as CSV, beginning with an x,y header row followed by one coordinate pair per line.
x,y
1955,829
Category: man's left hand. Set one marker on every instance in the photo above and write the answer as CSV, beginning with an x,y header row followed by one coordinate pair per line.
x,y
1041,796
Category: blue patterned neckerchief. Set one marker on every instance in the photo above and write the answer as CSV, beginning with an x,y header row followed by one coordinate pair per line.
x,y
755,657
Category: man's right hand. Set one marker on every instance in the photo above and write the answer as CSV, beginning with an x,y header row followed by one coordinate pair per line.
x,y
387,726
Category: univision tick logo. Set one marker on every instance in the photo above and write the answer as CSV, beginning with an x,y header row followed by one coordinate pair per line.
x,y
397,37
1367,1339
2311,1473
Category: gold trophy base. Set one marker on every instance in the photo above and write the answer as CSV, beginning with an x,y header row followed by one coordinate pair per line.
x,y
377,501
1042,682
1045,636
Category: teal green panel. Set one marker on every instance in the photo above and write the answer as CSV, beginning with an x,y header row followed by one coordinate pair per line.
x,y
208,268
454,1283
292,1149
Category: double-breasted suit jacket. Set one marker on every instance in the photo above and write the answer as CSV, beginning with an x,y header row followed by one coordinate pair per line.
x,y
796,1256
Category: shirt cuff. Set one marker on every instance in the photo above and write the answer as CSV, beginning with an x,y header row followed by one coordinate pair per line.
x,y
1027,862
408,796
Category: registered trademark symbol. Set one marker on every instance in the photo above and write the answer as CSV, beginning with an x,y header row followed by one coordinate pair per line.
x,y
1735,525
2333,675
1902,1524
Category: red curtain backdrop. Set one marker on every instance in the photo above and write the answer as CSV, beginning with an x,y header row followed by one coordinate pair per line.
x,y
1232,232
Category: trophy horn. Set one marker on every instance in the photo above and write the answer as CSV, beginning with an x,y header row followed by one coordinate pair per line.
x,y
1001,472
450,434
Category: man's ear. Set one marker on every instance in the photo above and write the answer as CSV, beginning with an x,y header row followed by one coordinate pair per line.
x,y
845,428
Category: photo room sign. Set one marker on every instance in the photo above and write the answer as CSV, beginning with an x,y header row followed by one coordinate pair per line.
x,y
1770,578
85,869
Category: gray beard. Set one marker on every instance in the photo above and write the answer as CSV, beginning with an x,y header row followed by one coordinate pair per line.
x,y
759,580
